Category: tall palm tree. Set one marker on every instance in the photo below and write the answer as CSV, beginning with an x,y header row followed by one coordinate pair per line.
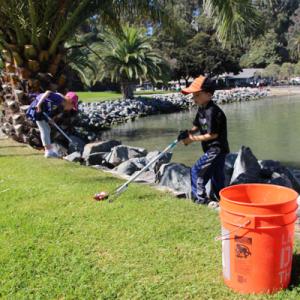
x,y
128,58
33,34
32,38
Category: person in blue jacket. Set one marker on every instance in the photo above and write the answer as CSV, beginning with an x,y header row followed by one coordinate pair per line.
x,y
50,103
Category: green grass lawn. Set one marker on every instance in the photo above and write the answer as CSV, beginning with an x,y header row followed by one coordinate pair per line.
x,y
98,96
109,95
57,243
153,92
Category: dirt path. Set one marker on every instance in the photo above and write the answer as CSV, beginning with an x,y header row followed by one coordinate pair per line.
x,y
284,91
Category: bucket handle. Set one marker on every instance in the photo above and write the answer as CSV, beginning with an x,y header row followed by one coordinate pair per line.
x,y
222,237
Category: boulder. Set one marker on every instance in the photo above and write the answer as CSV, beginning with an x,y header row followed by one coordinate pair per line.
x,y
19,94
246,178
59,149
280,179
24,108
176,177
229,166
12,105
166,158
78,142
288,176
131,166
18,119
294,177
103,146
147,177
270,165
18,129
122,153
97,158
73,157
246,167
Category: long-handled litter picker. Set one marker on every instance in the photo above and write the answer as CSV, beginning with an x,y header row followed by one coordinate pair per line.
x,y
104,195
71,142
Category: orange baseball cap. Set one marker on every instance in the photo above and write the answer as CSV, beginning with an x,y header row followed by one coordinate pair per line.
x,y
196,86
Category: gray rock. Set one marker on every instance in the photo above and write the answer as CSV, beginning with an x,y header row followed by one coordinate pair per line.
x,y
268,167
247,164
122,153
78,142
294,177
280,179
73,157
246,178
176,177
103,146
59,149
19,94
18,119
271,165
166,158
131,166
18,129
97,158
24,108
229,167
147,177
12,105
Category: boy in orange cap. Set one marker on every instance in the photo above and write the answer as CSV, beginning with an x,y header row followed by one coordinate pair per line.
x,y
212,124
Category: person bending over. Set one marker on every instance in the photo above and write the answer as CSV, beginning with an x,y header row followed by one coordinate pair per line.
x,y
50,103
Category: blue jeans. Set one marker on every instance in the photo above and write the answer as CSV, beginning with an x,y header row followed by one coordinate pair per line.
x,y
45,132
209,166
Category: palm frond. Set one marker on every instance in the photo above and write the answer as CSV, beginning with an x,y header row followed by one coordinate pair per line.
x,y
233,19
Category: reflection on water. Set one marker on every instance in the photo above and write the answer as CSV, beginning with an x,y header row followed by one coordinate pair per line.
x,y
270,127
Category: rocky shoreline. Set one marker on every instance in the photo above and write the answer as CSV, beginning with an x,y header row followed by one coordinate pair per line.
x,y
242,167
102,115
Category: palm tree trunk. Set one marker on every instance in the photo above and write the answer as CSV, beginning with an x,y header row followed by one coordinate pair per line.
x,y
18,84
127,90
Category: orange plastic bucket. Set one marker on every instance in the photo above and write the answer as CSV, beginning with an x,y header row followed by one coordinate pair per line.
x,y
258,223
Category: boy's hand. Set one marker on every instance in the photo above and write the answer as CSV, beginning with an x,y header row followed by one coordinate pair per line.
x,y
188,140
183,134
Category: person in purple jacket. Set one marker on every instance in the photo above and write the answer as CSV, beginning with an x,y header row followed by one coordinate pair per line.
x,y
50,103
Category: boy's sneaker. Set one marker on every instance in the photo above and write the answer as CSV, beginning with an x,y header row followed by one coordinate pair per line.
x,y
214,205
51,154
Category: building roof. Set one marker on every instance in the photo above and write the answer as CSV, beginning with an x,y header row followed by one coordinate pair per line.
x,y
245,73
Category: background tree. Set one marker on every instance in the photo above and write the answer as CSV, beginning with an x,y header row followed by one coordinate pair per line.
x,y
286,71
196,48
271,44
272,71
127,57
33,36
293,35
263,51
297,69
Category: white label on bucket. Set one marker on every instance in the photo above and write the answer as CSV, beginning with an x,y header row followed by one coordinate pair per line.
x,y
286,257
226,253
